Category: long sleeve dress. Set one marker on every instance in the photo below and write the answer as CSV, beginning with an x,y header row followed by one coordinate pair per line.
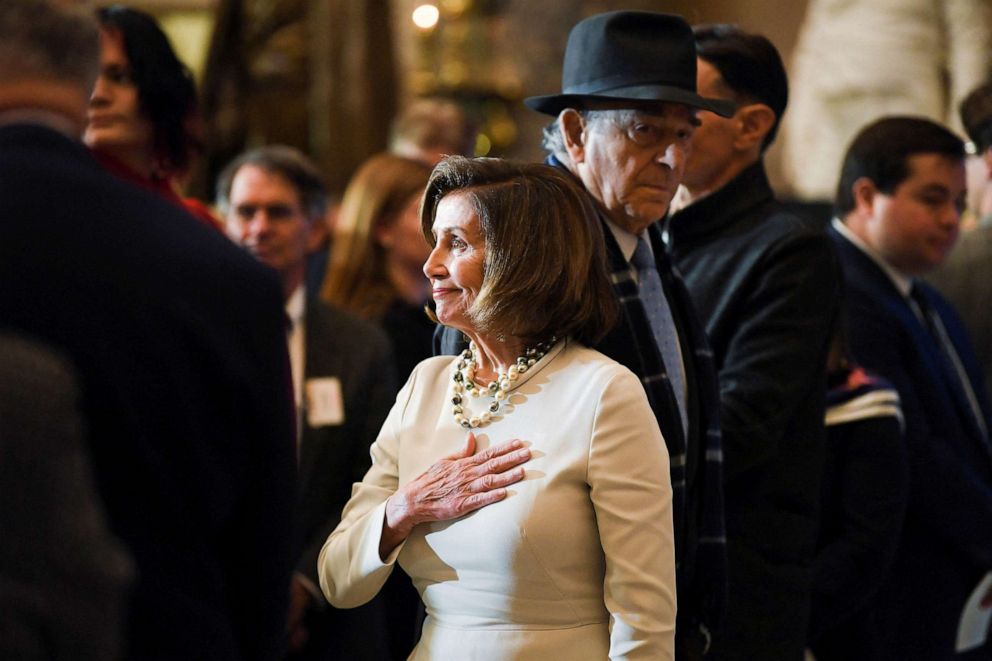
x,y
576,563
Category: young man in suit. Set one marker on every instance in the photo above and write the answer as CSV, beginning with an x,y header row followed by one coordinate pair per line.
x,y
766,286
899,202
623,124
177,338
272,199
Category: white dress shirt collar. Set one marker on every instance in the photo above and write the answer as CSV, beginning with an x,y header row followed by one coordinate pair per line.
x,y
627,240
903,283
296,343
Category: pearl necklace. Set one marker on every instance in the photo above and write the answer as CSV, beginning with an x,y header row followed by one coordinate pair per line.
x,y
464,387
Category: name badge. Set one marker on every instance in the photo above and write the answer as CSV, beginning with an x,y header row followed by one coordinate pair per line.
x,y
325,405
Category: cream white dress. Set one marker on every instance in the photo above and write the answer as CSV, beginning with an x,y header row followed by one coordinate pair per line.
x,y
576,563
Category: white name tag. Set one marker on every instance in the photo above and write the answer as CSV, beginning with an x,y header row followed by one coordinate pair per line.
x,y
325,405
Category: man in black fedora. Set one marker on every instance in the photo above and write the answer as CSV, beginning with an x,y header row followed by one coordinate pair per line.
x,y
625,118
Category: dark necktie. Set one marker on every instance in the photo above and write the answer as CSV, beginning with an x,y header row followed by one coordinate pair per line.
x,y
659,314
933,323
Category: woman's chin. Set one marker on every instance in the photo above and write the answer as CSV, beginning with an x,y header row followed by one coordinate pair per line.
x,y
456,321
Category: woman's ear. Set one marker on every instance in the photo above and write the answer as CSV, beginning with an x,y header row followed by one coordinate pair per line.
x,y
383,234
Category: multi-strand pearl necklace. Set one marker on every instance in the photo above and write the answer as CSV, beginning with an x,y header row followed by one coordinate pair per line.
x,y
463,385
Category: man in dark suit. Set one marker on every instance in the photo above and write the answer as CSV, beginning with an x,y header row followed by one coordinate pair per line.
x,y
178,341
623,124
766,285
899,203
272,199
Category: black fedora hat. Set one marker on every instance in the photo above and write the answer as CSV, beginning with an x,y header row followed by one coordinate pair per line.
x,y
631,56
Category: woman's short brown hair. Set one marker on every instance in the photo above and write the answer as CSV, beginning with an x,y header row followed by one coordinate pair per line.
x,y
545,267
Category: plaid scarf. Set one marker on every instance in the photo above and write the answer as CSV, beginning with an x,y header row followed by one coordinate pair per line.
x,y
696,461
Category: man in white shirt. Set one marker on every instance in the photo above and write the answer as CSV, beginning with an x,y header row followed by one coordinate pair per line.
x,y
272,198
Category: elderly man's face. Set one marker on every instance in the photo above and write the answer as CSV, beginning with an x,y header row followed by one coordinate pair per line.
x,y
632,161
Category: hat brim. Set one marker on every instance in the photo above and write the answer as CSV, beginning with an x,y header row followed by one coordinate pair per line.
x,y
552,104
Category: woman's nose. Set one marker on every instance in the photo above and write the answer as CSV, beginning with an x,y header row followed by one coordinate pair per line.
x,y
434,266
101,93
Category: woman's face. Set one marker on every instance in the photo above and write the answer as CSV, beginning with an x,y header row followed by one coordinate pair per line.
x,y
116,124
455,265
402,238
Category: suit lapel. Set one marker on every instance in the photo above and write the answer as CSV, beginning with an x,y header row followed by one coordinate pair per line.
x,y
946,380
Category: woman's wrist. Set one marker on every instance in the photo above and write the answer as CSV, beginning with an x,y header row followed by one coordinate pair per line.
x,y
396,524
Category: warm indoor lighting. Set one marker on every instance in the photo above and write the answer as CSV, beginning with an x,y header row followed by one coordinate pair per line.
x,y
482,144
425,16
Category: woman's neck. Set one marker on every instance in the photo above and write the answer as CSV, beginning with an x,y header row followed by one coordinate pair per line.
x,y
493,355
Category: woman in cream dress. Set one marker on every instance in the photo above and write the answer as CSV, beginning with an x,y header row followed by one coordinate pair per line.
x,y
534,515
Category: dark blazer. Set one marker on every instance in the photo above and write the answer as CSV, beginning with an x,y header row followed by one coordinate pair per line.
x,y
332,459
697,479
63,576
766,286
179,341
865,487
946,544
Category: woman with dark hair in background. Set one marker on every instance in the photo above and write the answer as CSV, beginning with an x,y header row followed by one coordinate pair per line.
x,y
143,107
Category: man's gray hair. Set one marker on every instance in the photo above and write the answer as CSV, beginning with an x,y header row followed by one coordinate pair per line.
x,y
554,143
54,40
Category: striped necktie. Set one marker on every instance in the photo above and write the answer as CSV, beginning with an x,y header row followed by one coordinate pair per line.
x,y
662,322
933,324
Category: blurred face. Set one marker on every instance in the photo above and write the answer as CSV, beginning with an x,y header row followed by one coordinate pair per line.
x,y
455,265
915,226
402,238
713,141
633,162
266,218
116,124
